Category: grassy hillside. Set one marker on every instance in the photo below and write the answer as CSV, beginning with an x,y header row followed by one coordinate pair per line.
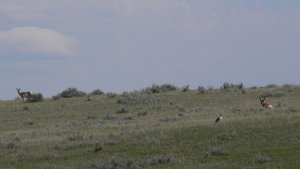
x,y
172,129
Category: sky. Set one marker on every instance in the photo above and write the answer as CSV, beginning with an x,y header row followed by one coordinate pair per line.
x,y
47,46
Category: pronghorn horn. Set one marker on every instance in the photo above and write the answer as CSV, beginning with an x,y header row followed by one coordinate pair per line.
x,y
262,98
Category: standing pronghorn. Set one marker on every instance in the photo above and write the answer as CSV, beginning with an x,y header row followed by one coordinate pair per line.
x,y
24,95
265,104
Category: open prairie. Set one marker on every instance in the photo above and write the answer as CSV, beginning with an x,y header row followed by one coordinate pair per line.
x,y
173,129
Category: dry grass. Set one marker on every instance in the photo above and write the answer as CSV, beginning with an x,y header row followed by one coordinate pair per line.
x,y
172,129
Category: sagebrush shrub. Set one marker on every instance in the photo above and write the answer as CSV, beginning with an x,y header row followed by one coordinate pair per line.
x,y
122,110
231,87
97,92
262,159
217,151
167,88
111,95
136,97
69,93
272,93
37,97
161,88
201,89
161,159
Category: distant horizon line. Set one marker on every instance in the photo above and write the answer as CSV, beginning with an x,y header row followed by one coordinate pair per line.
x,y
208,87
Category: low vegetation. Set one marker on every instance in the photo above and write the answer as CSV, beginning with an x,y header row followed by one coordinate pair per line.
x,y
36,97
157,127
69,93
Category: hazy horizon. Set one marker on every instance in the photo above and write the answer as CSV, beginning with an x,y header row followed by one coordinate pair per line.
x,y
125,45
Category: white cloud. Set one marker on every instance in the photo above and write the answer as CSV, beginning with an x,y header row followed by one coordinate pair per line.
x,y
37,41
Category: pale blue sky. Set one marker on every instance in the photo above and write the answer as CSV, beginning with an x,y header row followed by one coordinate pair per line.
x,y
47,46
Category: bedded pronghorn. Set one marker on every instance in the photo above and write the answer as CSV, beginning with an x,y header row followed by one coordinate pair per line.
x,y
24,95
265,104
219,118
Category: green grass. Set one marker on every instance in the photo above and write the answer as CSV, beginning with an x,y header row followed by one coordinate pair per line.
x,y
164,130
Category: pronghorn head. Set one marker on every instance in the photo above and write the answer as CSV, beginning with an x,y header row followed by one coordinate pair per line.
x,y
262,99
219,118
263,103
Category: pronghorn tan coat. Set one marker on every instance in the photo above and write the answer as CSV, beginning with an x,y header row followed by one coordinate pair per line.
x,y
264,103
24,95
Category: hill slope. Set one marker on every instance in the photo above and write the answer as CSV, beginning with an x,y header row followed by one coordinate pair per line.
x,y
163,130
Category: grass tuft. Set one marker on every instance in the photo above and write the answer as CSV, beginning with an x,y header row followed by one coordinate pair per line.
x,y
262,159
217,151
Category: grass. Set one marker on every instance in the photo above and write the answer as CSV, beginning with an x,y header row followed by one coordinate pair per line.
x,y
171,129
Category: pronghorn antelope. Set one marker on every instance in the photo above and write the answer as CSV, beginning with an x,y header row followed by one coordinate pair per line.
x,y
265,104
219,118
24,95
